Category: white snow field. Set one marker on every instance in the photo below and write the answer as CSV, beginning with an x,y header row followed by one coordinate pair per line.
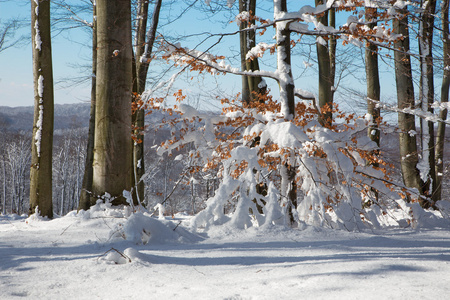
x,y
79,256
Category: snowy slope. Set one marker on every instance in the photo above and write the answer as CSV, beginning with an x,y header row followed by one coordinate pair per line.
x,y
73,258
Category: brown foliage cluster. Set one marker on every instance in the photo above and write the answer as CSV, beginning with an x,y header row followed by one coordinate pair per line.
x,y
229,135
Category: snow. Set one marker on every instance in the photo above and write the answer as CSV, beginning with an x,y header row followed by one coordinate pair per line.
x,y
242,16
307,64
160,209
258,50
38,134
41,87
85,256
321,41
36,9
400,4
37,36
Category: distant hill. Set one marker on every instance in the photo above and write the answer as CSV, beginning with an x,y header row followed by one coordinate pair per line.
x,y
66,116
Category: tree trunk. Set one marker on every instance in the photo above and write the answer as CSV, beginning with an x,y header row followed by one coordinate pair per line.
x,y
86,200
405,99
244,50
286,81
373,90
112,147
332,52
440,134
143,56
42,143
286,85
252,86
323,58
373,81
427,98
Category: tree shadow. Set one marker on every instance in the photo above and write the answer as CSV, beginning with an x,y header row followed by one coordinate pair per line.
x,y
375,249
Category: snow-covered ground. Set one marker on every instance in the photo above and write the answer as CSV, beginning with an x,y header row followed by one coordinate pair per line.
x,y
80,257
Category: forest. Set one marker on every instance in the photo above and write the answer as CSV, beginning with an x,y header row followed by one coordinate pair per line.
x,y
239,149
273,148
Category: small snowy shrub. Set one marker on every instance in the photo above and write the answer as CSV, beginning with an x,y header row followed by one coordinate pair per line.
x,y
141,228
267,152
251,145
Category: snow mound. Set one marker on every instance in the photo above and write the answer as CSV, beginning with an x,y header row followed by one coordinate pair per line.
x,y
419,218
11,217
254,233
36,217
114,256
444,208
101,209
141,228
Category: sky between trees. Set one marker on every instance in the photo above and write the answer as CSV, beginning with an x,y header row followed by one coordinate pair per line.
x,y
71,55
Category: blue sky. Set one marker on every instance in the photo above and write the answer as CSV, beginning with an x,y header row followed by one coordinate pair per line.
x,y
73,48
16,74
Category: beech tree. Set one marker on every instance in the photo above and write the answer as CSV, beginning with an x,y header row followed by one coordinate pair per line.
x,y
440,133
42,144
373,79
143,57
86,199
112,170
325,72
409,156
252,86
426,94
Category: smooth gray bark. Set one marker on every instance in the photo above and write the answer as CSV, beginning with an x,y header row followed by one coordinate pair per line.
x,y
427,97
144,48
325,92
42,143
252,86
440,133
112,170
288,171
373,82
405,99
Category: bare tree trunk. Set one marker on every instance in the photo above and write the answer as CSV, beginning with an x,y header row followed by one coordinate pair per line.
x,y
332,52
373,82
86,200
323,58
252,86
143,56
427,98
112,147
286,84
440,133
42,144
373,90
244,50
405,99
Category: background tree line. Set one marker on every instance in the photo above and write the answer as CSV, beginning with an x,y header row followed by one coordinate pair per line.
x,y
167,179
124,40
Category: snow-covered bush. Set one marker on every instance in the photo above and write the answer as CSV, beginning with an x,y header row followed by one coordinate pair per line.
x,y
267,151
252,145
